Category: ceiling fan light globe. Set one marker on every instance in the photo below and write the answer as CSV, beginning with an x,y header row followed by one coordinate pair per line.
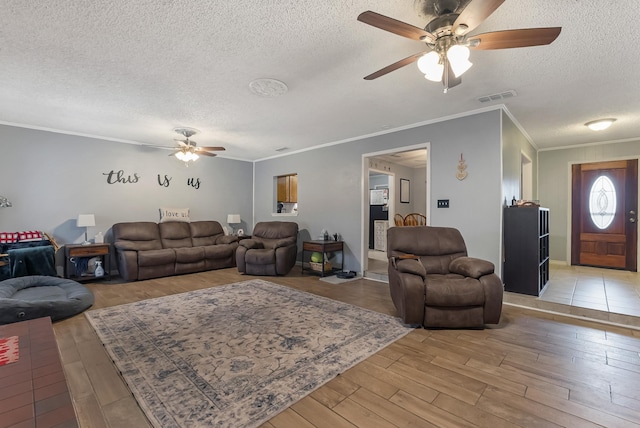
x,y
458,57
429,64
436,74
181,156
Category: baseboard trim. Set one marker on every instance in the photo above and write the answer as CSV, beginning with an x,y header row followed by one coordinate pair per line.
x,y
578,317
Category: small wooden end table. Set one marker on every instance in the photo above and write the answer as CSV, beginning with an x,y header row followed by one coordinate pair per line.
x,y
323,247
72,251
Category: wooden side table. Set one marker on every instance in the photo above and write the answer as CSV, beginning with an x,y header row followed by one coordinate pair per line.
x,y
74,251
322,247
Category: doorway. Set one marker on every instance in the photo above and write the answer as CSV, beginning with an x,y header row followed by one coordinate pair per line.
x,y
604,206
408,163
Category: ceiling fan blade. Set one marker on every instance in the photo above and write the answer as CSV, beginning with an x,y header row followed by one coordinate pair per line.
x,y
396,27
515,38
206,154
212,148
183,143
394,66
474,14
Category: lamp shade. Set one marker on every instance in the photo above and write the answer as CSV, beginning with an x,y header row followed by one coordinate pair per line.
x,y
430,65
233,218
459,59
86,220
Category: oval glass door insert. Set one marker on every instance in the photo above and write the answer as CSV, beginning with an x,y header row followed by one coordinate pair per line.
x,y
602,202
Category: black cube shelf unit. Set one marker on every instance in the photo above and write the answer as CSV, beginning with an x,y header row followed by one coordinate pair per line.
x,y
526,249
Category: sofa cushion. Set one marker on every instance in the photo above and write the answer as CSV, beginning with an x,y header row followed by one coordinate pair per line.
x,y
189,254
260,257
175,234
453,290
156,257
437,246
205,232
136,236
218,251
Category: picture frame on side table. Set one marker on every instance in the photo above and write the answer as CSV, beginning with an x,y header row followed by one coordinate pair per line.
x,y
404,190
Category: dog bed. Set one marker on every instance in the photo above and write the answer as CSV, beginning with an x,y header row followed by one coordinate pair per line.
x,y
30,297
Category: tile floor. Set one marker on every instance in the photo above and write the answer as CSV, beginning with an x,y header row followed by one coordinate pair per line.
x,y
601,289
602,294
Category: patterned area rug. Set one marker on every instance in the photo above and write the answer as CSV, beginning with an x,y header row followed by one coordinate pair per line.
x,y
238,354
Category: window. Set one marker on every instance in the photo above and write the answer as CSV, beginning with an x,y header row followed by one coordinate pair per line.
x,y
286,193
602,202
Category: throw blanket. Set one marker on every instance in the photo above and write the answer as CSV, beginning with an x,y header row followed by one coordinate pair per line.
x,y
32,261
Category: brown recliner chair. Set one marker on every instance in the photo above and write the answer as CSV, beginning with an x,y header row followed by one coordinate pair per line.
x,y
271,250
433,283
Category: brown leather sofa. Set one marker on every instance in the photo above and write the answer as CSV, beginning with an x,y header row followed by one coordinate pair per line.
x,y
272,249
146,250
433,283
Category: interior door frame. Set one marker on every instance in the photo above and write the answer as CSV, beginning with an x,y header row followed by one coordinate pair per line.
x,y
364,208
570,199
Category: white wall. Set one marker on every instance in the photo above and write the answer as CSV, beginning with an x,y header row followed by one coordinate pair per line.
x,y
330,184
51,178
554,181
514,143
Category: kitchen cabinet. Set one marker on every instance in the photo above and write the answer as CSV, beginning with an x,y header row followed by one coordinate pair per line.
x,y
288,188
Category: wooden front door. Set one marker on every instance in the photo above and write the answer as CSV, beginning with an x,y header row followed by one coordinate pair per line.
x,y
604,213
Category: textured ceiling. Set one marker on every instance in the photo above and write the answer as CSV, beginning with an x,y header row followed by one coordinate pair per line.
x,y
132,70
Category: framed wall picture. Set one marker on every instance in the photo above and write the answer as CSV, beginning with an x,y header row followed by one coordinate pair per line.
x,y
404,190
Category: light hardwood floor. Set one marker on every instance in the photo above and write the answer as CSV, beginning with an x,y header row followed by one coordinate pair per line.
x,y
533,369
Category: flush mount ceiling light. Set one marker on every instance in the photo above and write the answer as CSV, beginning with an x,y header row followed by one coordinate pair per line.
x,y
600,124
268,88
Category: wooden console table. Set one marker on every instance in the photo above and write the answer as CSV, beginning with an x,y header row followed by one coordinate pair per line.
x,y
34,390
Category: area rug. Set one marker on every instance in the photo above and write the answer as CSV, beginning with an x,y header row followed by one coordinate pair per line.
x,y
238,354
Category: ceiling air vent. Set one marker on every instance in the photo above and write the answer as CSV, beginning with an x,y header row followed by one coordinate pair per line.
x,y
497,97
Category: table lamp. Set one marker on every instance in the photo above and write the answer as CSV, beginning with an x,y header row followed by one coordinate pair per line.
x,y
233,219
86,221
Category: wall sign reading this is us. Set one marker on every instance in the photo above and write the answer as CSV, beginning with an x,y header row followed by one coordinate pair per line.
x,y
120,176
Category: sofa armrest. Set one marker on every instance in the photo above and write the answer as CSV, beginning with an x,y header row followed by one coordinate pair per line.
x,y
409,264
285,242
471,267
250,244
226,239
126,245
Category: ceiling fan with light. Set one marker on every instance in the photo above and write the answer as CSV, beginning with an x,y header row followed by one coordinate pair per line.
x,y
187,149
447,37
